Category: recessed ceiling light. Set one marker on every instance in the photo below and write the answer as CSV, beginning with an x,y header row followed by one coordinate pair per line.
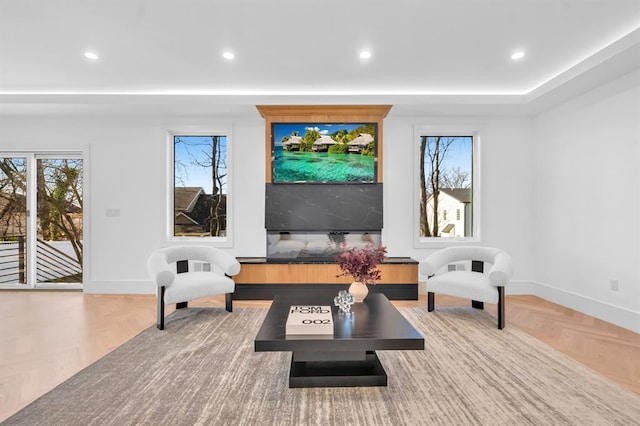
x,y
91,55
365,54
517,55
228,55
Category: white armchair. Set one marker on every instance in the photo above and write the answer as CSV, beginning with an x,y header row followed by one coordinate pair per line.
x,y
169,268
476,284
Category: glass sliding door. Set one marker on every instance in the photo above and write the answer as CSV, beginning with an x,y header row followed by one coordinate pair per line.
x,y
59,220
41,221
13,221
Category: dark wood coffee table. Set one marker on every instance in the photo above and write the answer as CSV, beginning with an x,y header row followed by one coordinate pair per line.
x,y
346,358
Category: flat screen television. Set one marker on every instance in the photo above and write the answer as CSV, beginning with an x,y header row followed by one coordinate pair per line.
x,y
324,152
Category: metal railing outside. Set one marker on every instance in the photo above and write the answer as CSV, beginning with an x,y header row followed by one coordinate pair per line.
x,y
12,261
52,264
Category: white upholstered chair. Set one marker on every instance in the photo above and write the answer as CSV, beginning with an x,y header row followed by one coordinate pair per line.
x,y
446,274
184,273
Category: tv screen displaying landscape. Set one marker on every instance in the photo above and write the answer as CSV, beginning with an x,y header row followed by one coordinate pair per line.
x,y
324,152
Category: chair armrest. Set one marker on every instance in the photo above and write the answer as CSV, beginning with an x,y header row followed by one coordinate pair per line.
x,y
432,263
159,270
227,263
501,271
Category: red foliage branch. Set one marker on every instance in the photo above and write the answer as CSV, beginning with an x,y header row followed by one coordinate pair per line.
x,y
361,263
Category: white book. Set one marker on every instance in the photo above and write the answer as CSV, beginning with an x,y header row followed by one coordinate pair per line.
x,y
312,319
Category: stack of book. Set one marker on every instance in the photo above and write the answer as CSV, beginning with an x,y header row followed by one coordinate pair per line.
x,y
310,320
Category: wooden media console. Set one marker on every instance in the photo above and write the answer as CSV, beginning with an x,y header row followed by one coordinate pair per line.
x,y
260,279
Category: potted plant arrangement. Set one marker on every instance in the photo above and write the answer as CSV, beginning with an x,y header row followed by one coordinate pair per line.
x,y
362,265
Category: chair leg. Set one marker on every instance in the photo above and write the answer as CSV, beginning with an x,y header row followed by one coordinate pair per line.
x,y
477,305
181,305
228,299
430,301
160,320
501,308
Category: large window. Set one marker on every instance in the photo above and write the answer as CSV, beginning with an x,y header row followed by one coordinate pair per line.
x,y
447,198
200,186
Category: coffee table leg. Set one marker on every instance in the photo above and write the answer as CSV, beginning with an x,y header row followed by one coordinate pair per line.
x,y
313,374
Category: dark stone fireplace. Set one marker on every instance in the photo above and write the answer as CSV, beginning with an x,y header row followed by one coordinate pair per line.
x,y
311,222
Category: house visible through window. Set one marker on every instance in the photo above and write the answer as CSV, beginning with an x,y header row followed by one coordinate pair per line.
x,y
446,183
200,185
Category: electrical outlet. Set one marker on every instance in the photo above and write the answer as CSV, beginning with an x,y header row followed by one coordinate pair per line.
x,y
613,284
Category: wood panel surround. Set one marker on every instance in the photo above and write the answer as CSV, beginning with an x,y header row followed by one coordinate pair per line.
x,y
322,114
262,279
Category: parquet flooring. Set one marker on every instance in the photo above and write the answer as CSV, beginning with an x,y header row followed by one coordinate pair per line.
x,y
46,337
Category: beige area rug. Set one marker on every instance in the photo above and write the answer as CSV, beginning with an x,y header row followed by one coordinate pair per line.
x,y
203,370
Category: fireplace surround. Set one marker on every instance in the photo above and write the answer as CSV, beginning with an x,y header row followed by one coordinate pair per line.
x,y
308,223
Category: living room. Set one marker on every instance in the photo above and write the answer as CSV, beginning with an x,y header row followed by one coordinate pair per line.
x,y
558,187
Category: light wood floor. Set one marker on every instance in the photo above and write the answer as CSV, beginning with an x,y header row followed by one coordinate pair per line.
x,y
46,337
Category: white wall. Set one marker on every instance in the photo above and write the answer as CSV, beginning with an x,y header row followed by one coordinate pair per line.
x,y
587,206
506,187
127,171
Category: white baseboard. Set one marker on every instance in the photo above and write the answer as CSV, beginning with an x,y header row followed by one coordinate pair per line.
x,y
616,315
120,287
521,288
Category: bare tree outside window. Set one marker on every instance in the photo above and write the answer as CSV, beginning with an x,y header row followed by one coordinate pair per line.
x,y
13,220
200,186
13,203
446,185
60,202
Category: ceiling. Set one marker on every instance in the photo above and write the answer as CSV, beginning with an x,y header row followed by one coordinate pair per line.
x,y
165,56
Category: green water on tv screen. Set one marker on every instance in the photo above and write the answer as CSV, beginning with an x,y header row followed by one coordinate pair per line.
x,y
324,152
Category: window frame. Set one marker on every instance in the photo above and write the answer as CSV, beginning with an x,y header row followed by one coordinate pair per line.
x,y
448,130
223,242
